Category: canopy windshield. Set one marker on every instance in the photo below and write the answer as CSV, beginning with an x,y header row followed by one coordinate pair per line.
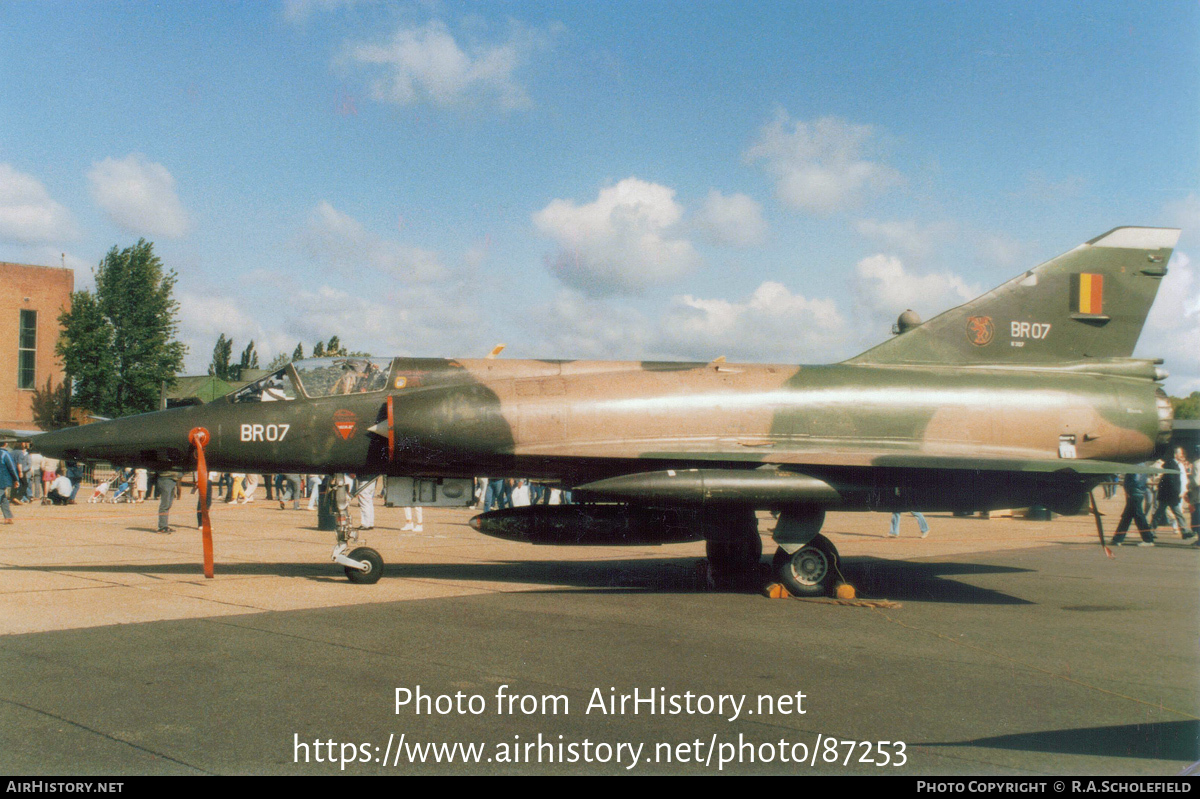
x,y
275,386
329,377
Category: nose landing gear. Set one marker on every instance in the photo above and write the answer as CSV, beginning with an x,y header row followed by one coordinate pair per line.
x,y
364,566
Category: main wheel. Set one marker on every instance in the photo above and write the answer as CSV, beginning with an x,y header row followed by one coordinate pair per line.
x,y
731,559
811,571
374,566
733,547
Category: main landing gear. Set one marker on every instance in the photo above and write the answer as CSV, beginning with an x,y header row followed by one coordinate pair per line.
x,y
806,561
810,570
733,547
363,565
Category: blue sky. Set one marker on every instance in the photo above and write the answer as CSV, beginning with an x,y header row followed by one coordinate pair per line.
x,y
774,181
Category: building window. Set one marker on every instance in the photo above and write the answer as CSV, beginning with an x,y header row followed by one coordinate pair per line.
x,y
27,351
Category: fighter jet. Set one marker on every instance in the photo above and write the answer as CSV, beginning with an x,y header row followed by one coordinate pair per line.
x,y
1027,395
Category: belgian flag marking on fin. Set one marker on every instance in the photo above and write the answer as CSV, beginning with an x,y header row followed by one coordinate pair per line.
x,y
1066,294
1087,293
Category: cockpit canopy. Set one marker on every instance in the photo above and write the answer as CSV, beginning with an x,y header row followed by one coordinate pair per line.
x,y
328,377
319,377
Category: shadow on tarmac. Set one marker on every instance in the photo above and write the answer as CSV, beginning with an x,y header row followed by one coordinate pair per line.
x,y
872,578
1166,740
924,581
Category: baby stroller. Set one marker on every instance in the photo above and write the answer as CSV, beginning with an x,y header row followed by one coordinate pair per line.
x,y
100,493
124,483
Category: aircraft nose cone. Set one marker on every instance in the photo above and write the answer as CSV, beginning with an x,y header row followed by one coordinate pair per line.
x,y
151,439
70,442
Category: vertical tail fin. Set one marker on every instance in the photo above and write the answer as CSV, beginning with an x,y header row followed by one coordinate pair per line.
x,y
1088,303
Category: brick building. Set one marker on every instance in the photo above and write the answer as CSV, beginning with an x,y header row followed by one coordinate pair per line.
x,y
31,298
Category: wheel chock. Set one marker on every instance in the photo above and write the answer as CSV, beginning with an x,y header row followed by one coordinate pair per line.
x,y
776,591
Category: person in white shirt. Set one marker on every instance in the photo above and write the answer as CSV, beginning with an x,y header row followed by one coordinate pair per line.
x,y
36,489
60,490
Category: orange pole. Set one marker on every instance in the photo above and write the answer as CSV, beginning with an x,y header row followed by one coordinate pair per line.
x,y
199,437
391,419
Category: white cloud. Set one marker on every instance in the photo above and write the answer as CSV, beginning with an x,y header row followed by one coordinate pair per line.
x,y
1172,329
341,241
27,213
1184,214
417,320
210,315
821,166
328,311
477,254
1003,251
907,237
138,196
422,320
623,242
427,64
731,220
883,289
573,325
772,324
204,317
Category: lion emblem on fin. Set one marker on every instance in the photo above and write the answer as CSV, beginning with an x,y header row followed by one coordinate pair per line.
x,y
980,330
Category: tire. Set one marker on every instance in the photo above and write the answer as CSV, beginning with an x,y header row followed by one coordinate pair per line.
x,y
733,548
371,575
811,571
731,558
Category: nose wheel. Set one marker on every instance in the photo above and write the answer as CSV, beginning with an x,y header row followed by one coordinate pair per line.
x,y
811,570
370,567
364,566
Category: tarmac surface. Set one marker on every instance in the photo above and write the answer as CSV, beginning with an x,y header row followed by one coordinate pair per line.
x,y
1007,647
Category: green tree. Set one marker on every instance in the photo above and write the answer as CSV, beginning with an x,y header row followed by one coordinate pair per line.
x,y
249,357
283,359
328,349
52,406
134,311
1187,407
85,349
222,353
249,360
334,348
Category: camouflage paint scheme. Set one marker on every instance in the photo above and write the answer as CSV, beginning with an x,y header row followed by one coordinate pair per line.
x,y
1026,395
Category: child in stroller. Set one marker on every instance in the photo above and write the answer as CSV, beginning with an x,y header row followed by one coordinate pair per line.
x,y
123,482
100,493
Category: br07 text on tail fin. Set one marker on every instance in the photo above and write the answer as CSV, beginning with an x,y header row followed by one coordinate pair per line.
x,y
1086,304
